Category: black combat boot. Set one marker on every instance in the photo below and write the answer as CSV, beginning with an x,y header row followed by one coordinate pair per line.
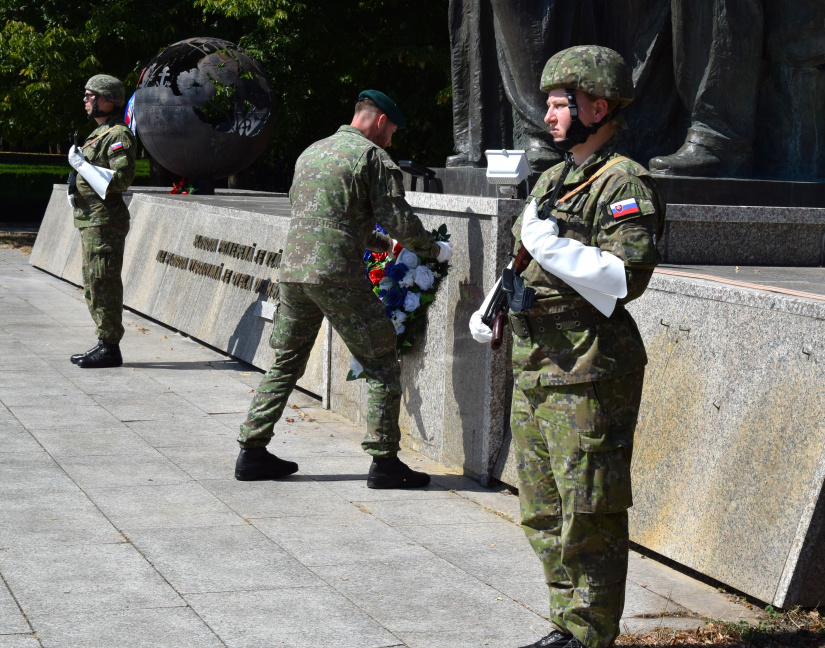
x,y
105,355
555,639
394,473
255,464
77,356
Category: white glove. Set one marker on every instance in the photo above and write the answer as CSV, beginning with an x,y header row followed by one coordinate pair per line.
x,y
97,177
75,157
596,275
478,329
70,199
445,252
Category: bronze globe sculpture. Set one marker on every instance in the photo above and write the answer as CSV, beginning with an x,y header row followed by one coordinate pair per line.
x,y
204,110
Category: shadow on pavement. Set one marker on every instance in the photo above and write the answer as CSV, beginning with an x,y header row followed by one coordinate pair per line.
x,y
229,365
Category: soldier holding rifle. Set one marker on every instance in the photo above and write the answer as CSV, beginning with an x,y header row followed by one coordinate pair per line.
x,y
587,246
105,167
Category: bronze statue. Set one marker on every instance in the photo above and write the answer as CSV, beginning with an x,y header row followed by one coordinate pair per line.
x,y
737,84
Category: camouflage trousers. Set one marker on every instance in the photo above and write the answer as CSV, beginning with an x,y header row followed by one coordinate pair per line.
x,y
102,284
573,447
361,321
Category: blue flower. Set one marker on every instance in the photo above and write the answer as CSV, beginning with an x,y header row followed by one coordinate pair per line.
x,y
393,297
395,271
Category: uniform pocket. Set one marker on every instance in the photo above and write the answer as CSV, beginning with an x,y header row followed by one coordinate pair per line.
x,y
603,484
101,260
378,337
604,452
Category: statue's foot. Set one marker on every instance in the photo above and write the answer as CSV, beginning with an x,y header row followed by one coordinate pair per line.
x,y
695,159
460,160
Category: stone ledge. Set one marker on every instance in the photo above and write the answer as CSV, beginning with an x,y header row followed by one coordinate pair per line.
x,y
753,298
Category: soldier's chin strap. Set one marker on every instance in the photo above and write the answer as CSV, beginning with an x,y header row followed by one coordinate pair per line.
x,y
96,112
578,132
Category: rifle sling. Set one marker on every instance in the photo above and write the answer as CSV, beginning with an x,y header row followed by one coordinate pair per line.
x,y
592,178
98,137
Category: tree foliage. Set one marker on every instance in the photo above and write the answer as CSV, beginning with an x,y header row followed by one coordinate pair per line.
x,y
318,56
321,54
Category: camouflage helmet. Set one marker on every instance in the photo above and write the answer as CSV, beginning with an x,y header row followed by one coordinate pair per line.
x,y
598,71
108,87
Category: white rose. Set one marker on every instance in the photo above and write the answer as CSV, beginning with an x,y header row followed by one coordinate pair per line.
x,y
411,301
424,278
385,283
409,259
408,280
398,319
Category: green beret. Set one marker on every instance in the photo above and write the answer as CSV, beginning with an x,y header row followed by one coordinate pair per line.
x,y
386,105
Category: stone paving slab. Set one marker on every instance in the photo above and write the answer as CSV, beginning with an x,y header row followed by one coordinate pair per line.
x,y
123,524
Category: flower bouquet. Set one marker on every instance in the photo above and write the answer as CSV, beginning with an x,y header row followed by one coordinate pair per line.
x,y
406,283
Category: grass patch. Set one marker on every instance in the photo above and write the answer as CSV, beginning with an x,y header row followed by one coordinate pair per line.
x,y
58,172
25,189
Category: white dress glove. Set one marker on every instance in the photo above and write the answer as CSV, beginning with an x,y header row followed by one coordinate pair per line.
x,y
596,275
478,329
97,177
445,252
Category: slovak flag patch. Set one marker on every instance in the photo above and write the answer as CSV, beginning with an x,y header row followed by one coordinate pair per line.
x,y
117,146
625,207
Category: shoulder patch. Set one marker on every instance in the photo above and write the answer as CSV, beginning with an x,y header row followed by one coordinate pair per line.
x,y
116,146
624,208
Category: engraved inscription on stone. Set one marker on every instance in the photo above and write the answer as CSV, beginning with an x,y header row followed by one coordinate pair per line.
x,y
251,253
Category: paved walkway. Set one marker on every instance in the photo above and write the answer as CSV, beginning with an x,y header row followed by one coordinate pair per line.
x,y
121,524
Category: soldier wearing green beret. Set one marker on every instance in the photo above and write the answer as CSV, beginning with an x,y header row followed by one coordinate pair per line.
x,y
342,186
591,226
105,167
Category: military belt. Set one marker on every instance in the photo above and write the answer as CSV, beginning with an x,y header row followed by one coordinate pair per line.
x,y
527,326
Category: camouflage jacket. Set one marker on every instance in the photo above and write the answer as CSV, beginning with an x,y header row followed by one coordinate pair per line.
x,y
610,348
111,146
343,186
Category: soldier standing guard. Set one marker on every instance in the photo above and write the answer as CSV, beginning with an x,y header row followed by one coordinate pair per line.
x,y
342,186
105,166
578,358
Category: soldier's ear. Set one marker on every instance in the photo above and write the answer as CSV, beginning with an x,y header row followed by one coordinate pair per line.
x,y
382,119
602,108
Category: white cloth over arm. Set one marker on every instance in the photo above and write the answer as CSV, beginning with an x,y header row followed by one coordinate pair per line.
x,y
596,275
97,177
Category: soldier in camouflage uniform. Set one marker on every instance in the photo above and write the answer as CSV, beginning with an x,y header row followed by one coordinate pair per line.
x,y
105,166
579,369
342,186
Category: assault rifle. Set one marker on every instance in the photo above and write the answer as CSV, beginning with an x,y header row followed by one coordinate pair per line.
x,y
510,293
72,179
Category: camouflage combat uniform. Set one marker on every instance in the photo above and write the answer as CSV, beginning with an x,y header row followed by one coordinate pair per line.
x,y
103,225
342,186
578,382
